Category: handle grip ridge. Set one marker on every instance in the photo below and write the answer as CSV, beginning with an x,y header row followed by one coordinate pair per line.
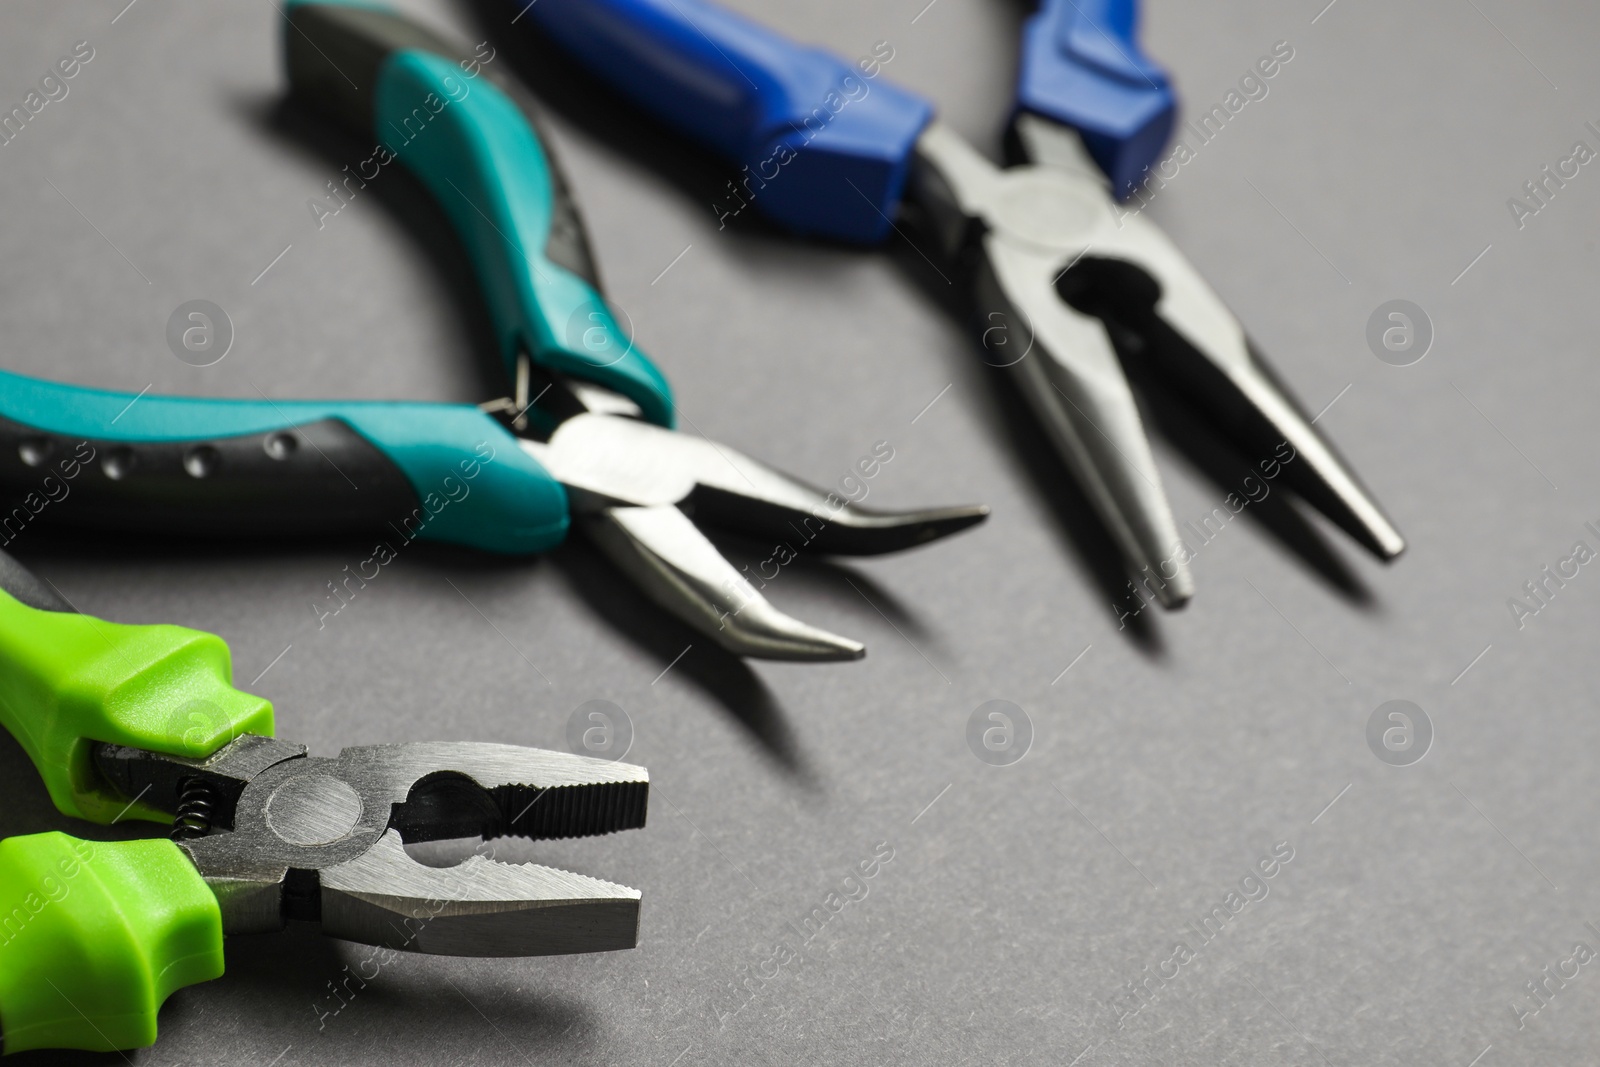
x,y
94,936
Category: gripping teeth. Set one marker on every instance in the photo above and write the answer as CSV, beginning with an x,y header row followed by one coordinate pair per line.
x,y
435,791
574,810
481,907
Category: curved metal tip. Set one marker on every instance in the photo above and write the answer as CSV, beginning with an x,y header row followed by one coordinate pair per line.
x,y
674,564
1372,528
761,630
859,531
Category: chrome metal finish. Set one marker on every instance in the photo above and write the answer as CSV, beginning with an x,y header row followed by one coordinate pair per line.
x,y
319,838
1033,225
633,486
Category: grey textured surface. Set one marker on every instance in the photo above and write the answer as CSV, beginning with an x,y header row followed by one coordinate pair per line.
x,y
1011,918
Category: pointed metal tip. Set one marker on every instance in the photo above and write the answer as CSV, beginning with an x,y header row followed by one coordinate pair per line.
x,y
1329,484
1385,543
758,629
1174,593
1173,600
854,530
942,522
674,564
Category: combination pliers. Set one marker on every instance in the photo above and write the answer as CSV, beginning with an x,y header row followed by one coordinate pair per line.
x,y
586,432
1066,284
144,722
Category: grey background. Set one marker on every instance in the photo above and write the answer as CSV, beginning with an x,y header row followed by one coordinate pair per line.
x,y
1163,768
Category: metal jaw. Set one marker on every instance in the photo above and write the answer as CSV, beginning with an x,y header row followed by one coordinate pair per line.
x,y
1043,230
633,486
298,837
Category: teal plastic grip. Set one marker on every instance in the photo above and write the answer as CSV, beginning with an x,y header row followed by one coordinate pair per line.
x,y
94,936
483,163
449,119
509,503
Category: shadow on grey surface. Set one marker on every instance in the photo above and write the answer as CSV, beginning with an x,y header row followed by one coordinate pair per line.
x,y
26,808
418,215
832,575
1164,408
566,87
721,675
1009,416
70,544
282,980
1227,468
570,90
288,978
1160,364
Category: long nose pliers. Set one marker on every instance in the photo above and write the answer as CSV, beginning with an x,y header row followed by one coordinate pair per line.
x,y
144,722
1060,273
586,433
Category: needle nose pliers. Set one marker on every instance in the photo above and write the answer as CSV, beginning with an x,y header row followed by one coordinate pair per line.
x,y
144,722
832,150
586,433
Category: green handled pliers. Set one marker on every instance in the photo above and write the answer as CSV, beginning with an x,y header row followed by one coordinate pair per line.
x,y
144,722
585,433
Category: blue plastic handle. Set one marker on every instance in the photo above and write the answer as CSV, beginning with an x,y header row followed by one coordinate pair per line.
x,y
474,484
442,115
1082,67
825,145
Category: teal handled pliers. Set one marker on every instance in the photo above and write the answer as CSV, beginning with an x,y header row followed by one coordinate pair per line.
x,y
143,722
586,432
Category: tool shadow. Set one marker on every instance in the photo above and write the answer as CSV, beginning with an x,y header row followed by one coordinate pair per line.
x,y
569,90
1231,472
724,677
565,87
721,675
26,808
1164,409
407,203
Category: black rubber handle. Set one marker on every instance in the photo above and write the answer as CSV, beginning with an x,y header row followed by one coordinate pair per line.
x,y
314,479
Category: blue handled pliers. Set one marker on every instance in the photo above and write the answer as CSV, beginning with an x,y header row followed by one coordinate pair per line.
x,y
586,433
831,150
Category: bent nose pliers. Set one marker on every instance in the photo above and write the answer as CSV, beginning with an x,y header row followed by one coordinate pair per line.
x,y
144,721
586,433
831,150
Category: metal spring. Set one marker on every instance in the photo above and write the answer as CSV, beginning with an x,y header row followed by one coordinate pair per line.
x,y
197,800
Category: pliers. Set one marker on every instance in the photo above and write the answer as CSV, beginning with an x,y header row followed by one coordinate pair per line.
x,y
1062,278
586,432
144,722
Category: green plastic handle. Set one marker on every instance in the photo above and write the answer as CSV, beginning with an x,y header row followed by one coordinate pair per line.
x,y
467,135
69,680
94,936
